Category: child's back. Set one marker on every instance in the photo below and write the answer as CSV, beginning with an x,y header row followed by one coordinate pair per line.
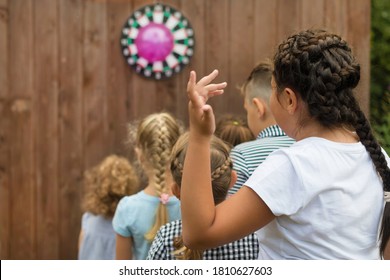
x,y
168,243
106,184
139,216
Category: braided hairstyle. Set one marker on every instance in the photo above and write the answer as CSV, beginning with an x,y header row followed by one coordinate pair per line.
x,y
156,135
321,68
221,170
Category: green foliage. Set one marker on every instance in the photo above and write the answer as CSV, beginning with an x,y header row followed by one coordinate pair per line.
x,y
380,71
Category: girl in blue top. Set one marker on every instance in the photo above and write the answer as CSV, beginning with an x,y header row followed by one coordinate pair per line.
x,y
139,217
325,197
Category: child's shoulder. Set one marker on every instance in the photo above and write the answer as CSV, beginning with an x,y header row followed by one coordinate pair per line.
x,y
172,228
131,199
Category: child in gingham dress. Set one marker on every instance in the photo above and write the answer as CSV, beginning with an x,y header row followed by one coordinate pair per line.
x,y
168,244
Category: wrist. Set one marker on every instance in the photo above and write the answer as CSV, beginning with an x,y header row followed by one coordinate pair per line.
x,y
198,138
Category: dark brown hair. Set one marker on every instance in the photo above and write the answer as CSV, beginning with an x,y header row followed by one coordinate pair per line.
x,y
321,68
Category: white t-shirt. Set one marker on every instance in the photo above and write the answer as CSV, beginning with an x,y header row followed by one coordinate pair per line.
x,y
328,200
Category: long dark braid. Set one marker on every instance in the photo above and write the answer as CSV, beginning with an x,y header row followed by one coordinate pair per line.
x,y
321,68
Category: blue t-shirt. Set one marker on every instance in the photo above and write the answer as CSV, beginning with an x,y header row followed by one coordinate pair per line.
x,y
98,238
135,215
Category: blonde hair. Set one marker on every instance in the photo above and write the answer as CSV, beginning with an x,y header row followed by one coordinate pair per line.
x,y
106,183
221,169
156,135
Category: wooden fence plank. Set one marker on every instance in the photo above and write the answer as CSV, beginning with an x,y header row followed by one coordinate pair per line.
x,y
21,137
217,41
288,18
46,130
95,123
265,29
4,135
71,149
117,86
241,52
308,19
358,34
335,16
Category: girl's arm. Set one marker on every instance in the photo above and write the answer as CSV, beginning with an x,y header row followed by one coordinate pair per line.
x,y
81,237
204,225
124,246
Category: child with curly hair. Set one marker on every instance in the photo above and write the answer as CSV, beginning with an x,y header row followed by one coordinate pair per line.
x,y
139,216
105,185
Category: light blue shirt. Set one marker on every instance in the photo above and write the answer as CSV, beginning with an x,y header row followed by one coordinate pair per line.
x,y
98,238
135,215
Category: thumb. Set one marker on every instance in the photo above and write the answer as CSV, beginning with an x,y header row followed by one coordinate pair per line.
x,y
209,116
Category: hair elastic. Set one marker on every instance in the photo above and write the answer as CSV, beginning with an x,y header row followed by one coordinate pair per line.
x,y
387,196
164,197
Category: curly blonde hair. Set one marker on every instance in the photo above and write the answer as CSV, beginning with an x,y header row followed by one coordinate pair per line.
x,y
106,183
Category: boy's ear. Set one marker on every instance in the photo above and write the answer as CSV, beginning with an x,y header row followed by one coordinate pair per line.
x,y
260,107
233,179
175,190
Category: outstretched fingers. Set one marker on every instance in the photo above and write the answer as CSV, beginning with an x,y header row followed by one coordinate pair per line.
x,y
199,92
209,78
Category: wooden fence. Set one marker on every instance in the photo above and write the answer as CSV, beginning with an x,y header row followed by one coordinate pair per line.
x,y
66,93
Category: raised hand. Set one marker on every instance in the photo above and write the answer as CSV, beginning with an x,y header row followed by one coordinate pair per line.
x,y
202,119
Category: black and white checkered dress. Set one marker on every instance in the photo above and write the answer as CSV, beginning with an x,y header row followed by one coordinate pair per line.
x,y
246,248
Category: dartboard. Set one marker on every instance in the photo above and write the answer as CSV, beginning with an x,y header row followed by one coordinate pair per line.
x,y
157,41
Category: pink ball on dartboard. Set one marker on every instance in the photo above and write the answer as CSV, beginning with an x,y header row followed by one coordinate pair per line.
x,y
154,42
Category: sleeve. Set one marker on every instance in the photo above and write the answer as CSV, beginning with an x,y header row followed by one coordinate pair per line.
x,y
239,165
122,218
157,250
278,184
84,220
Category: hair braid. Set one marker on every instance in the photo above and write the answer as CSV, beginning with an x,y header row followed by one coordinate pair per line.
x,y
221,167
321,68
156,136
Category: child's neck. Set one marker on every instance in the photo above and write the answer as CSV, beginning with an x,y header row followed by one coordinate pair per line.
x,y
340,135
150,189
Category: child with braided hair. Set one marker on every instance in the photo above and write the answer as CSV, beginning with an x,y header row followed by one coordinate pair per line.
x,y
168,243
325,197
138,217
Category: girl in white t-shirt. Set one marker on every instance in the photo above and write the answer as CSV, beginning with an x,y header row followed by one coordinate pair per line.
x,y
325,197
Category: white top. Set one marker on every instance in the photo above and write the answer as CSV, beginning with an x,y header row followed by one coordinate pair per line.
x,y
328,200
